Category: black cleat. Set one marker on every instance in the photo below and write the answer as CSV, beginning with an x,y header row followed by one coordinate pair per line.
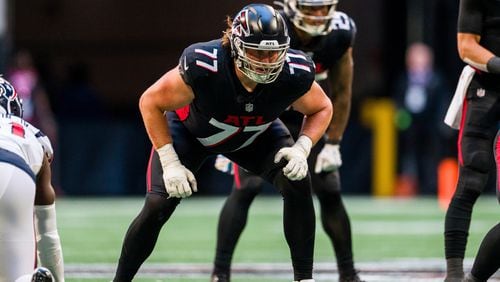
x,y
42,274
351,278
454,279
470,278
220,278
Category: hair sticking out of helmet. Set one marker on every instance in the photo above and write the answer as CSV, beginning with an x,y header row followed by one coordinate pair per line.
x,y
259,42
9,101
311,16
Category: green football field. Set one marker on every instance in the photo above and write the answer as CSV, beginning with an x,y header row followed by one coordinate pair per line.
x,y
392,238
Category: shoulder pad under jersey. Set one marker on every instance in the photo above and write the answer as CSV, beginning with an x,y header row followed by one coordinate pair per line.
x,y
299,62
201,60
43,140
344,26
300,69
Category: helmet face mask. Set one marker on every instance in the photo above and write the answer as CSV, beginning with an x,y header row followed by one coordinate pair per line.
x,y
9,100
259,42
311,16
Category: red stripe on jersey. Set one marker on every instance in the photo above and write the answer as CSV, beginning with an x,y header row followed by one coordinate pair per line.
x,y
148,172
183,112
461,132
17,129
497,160
237,180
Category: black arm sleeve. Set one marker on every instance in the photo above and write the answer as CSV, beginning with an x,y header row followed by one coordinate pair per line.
x,y
470,16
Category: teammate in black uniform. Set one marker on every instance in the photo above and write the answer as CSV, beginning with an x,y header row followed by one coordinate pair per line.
x,y
327,36
479,46
225,97
487,260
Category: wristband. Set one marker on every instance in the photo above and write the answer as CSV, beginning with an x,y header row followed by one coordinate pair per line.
x,y
332,142
304,143
167,154
493,65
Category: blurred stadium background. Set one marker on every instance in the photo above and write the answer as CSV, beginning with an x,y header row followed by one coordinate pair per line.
x,y
118,48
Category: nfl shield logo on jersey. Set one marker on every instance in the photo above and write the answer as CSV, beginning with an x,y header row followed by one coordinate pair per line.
x,y
481,92
249,107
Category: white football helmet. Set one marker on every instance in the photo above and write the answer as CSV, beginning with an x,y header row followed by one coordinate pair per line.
x,y
9,100
301,15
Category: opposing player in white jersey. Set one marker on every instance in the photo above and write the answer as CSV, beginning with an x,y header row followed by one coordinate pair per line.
x,y
25,154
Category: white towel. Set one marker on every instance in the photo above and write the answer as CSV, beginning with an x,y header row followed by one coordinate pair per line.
x,y
454,113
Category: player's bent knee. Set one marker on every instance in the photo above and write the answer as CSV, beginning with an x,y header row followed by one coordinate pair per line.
x,y
479,161
326,183
472,179
159,207
297,188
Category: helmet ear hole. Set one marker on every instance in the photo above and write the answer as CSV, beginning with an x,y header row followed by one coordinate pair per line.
x,y
259,28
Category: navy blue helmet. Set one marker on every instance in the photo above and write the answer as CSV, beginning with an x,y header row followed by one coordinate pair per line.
x,y
258,30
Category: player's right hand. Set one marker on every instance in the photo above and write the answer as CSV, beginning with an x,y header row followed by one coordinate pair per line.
x,y
224,164
179,181
329,159
296,168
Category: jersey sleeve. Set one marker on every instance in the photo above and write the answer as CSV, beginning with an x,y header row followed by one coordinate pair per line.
x,y
470,17
186,65
200,60
301,68
43,140
345,28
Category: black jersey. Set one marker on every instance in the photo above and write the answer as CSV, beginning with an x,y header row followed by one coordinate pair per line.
x,y
481,17
224,116
327,49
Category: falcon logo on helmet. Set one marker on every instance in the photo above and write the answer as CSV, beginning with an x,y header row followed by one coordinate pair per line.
x,y
259,42
312,16
9,101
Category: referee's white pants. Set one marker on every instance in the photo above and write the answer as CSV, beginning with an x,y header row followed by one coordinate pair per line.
x,y
17,234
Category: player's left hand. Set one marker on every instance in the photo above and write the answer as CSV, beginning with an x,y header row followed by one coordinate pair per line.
x,y
224,164
329,159
296,168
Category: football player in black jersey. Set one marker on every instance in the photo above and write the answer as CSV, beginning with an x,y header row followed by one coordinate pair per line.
x,y
327,36
487,260
478,41
225,97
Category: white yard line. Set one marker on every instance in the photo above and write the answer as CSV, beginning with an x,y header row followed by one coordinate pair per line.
x,y
416,270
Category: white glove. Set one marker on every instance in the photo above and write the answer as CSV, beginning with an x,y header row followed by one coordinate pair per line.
x,y
296,169
179,181
329,159
224,164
